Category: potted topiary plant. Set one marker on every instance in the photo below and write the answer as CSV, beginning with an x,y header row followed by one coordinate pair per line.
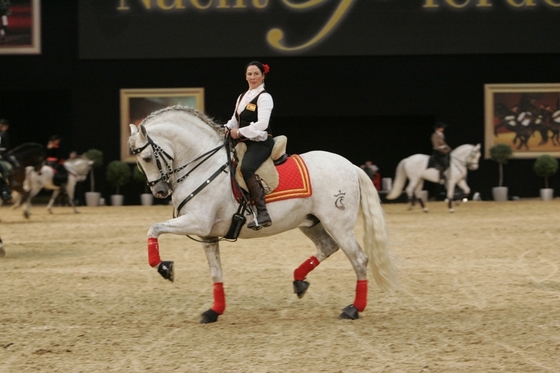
x,y
118,175
93,197
501,154
546,166
146,198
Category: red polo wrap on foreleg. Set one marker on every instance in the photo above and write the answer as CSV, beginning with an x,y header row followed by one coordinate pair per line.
x,y
153,252
301,272
361,295
219,298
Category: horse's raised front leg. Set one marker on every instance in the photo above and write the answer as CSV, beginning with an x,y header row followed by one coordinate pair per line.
x,y
465,188
180,226
326,246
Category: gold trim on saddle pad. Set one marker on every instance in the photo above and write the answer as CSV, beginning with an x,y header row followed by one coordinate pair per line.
x,y
294,180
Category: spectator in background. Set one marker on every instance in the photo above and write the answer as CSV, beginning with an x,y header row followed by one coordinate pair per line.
x,y
5,145
370,169
4,13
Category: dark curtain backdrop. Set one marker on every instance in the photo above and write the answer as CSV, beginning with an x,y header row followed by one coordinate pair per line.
x,y
378,108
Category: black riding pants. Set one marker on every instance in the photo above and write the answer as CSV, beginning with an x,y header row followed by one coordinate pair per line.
x,y
257,153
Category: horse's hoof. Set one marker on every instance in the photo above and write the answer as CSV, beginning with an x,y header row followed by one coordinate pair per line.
x,y
451,210
425,209
349,313
209,316
26,215
165,269
300,287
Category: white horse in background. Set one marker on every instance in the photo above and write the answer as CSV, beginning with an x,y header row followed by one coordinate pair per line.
x,y
415,169
77,168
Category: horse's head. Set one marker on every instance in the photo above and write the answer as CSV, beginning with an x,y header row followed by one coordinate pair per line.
x,y
473,158
169,141
154,161
79,166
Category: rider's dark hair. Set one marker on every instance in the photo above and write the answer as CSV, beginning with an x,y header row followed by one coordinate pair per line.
x,y
264,68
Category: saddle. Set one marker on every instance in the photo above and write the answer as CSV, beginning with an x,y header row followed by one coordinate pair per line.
x,y
438,161
267,171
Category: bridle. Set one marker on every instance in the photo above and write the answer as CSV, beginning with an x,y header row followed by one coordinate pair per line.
x,y
468,162
164,163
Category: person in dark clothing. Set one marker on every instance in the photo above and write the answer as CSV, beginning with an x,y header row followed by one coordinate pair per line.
x,y
251,123
441,150
55,160
5,145
4,148
4,13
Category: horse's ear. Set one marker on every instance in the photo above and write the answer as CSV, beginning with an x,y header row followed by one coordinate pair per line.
x,y
478,146
143,132
133,129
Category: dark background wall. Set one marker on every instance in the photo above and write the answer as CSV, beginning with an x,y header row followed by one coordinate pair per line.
x,y
378,108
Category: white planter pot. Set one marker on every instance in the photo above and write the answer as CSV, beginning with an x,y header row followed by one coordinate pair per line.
x,y
547,194
117,199
92,198
500,194
147,199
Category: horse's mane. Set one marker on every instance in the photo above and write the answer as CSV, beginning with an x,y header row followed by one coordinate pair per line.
x,y
189,110
28,149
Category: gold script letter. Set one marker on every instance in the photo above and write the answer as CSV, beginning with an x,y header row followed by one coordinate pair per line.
x,y
123,5
275,36
522,4
552,3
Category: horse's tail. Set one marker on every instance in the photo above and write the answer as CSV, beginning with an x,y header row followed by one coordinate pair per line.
x,y
376,238
398,183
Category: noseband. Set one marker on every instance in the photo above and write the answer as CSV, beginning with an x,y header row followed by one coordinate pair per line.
x,y
163,158
468,162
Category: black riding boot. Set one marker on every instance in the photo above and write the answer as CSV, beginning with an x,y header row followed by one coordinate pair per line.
x,y
5,190
257,192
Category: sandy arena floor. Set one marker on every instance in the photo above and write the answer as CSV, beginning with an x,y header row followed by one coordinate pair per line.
x,y
479,292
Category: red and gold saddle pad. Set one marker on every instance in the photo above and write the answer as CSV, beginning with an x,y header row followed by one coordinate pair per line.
x,y
293,182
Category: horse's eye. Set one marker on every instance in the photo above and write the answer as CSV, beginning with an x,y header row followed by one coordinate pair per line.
x,y
148,158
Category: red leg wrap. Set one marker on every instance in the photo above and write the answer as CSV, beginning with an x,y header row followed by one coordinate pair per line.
x,y
153,252
301,272
219,298
361,295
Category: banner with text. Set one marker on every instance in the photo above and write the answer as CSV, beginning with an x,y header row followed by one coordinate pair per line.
x,y
128,29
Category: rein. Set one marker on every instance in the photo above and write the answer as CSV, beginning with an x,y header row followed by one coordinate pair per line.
x,y
163,158
466,162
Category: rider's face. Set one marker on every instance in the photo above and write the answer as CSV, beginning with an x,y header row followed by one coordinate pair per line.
x,y
254,76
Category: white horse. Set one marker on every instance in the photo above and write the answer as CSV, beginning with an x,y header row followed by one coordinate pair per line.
x,y
185,154
77,168
415,169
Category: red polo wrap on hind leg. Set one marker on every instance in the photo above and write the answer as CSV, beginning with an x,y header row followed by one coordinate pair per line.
x,y
361,295
219,298
309,265
153,252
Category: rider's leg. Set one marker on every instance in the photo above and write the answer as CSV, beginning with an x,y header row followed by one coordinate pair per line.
x,y
5,189
255,188
256,154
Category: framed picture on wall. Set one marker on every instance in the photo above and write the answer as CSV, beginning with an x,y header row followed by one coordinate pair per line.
x,y
137,104
523,116
20,26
